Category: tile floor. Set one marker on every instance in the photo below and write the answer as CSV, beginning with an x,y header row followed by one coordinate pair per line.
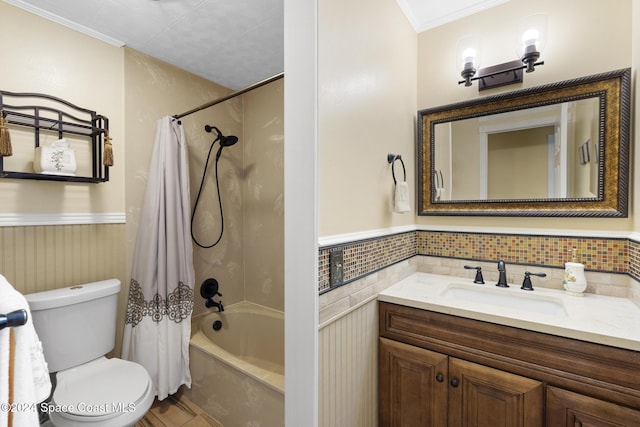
x,y
176,411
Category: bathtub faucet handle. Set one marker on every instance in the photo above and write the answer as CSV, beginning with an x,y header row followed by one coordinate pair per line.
x,y
209,290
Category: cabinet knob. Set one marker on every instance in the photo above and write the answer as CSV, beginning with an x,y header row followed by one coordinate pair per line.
x,y
454,383
439,378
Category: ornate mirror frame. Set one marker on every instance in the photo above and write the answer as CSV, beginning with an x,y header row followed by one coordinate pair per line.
x,y
614,93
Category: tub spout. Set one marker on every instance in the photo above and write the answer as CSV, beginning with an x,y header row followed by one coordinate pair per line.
x,y
211,303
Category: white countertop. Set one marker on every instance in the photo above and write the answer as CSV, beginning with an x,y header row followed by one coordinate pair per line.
x,y
594,318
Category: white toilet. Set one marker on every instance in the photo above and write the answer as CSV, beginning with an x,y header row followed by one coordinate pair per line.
x,y
77,327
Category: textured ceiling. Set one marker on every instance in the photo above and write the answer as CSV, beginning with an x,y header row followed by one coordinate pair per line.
x,y
235,43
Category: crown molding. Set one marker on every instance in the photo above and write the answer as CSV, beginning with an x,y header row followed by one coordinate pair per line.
x,y
65,22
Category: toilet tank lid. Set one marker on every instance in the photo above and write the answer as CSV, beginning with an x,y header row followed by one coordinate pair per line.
x,y
72,294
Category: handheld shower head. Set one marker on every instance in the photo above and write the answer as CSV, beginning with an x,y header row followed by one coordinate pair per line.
x,y
228,141
225,141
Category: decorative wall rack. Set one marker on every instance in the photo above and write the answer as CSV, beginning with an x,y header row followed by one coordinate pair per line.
x,y
46,113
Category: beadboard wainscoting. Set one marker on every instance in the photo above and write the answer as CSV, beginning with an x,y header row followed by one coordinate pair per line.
x,y
348,374
40,258
44,257
348,343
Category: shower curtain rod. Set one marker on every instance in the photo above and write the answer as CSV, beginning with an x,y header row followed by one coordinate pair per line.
x,y
232,95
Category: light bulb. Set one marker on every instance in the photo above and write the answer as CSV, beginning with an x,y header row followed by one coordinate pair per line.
x,y
469,57
530,39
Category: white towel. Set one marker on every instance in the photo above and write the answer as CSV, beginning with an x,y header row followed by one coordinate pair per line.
x,y
31,383
401,200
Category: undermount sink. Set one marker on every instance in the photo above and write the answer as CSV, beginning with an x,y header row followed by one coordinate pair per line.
x,y
503,298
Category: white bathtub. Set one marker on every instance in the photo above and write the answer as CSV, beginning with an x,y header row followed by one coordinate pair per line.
x,y
238,371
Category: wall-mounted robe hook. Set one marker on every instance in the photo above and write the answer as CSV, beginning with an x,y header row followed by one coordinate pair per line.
x,y
391,158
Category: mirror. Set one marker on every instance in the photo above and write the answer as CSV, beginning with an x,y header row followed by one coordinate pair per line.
x,y
556,150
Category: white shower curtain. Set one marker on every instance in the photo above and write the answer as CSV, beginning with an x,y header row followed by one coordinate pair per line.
x,y
158,319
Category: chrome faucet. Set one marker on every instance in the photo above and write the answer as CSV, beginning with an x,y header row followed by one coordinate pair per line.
x,y
502,278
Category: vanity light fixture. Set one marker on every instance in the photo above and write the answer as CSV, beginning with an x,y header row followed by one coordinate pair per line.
x,y
469,68
531,41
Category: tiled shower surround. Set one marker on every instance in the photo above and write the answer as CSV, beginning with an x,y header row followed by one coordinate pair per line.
x,y
607,255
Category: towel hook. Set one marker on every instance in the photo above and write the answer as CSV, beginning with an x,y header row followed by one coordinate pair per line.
x,y
391,158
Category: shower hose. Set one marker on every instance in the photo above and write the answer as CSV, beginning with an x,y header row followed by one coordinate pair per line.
x,y
195,206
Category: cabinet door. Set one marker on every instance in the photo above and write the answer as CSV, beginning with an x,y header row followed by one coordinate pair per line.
x,y
412,386
480,396
565,408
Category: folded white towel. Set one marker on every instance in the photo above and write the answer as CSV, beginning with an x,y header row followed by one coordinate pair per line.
x,y
55,159
401,200
31,383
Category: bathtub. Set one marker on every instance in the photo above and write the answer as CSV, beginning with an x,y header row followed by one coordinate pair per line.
x,y
238,371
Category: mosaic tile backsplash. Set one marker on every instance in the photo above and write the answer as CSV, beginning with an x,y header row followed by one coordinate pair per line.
x,y
366,256
607,255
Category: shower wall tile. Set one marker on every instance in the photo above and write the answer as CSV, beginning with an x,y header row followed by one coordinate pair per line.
x,y
155,89
263,194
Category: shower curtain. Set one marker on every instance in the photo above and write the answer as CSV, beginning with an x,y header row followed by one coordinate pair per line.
x,y
158,318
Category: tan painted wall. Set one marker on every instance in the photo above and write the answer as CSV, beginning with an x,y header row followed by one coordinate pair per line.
x,y
367,92
465,167
521,169
584,37
57,61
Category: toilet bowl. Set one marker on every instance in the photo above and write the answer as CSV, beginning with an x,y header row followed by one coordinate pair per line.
x,y
77,328
104,392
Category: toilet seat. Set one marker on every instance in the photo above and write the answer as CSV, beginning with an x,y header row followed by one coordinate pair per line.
x,y
100,390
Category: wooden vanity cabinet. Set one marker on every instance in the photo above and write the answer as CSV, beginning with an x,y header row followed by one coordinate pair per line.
x,y
568,409
412,386
422,388
443,370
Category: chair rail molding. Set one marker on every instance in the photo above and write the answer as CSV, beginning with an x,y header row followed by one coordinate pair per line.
x,y
21,220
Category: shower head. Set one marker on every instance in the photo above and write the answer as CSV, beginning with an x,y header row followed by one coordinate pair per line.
x,y
225,141
228,141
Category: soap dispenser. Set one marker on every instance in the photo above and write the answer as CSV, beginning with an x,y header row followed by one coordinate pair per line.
x,y
574,281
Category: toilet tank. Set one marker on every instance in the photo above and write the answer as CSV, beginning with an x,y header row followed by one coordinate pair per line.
x,y
75,324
